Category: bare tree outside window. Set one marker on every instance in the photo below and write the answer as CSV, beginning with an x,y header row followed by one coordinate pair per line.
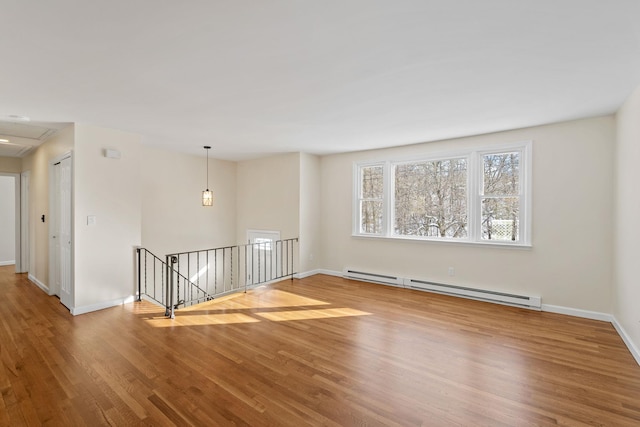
x,y
371,199
431,198
501,196
477,195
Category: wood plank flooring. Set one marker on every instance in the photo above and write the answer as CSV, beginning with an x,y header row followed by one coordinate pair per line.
x,y
317,351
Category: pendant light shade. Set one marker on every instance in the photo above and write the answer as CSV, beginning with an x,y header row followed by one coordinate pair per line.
x,y
207,195
207,198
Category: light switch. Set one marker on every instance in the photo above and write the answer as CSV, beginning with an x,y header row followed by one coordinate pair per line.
x,y
91,220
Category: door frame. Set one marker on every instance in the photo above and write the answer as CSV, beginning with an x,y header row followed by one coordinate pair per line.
x,y
254,256
25,259
53,217
17,247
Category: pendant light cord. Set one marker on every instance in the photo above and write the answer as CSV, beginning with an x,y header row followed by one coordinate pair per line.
x,y
207,148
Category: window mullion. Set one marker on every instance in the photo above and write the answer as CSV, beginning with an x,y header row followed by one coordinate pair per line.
x,y
525,194
356,217
473,197
389,198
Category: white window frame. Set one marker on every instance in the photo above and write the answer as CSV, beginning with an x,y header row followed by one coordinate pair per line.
x,y
357,197
475,170
392,193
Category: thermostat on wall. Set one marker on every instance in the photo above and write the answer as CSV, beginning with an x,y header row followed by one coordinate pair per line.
x,y
111,154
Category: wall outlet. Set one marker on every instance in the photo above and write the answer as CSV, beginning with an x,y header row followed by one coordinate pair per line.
x,y
452,271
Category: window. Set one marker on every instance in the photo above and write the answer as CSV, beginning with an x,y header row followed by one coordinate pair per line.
x,y
500,196
263,244
371,199
431,198
479,196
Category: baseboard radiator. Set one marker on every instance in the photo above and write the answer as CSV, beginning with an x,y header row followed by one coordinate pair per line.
x,y
373,277
525,301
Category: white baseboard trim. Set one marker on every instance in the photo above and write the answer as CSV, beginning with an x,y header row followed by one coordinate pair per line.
x,y
38,283
2,263
318,271
635,352
594,315
102,305
306,274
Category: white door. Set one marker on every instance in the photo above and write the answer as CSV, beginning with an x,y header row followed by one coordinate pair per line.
x,y
263,263
54,231
61,236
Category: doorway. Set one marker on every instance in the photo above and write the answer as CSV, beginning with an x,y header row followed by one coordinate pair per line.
x,y
14,220
263,256
60,231
10,220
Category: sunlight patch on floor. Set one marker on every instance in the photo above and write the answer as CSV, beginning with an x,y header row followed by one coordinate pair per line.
x,y
256,299
275,298
204,319
293,307
281,316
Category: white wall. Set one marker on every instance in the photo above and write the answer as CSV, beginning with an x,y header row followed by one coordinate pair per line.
x,y
269,196
570,263
109,189
10,164
173,218
626,289
310,219
7,220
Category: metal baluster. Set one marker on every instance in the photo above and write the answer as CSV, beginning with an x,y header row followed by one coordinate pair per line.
x,y
292,267
154,276
139,278
178,288
168,288
198,274
245,268
276,264
224,270
281,255
173,261
146,291
215,267
259,263
162,282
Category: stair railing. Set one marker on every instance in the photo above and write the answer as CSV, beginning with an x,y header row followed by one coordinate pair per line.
x,y
192,277
154,281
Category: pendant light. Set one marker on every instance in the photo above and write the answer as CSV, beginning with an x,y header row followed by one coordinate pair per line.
x,y
207,196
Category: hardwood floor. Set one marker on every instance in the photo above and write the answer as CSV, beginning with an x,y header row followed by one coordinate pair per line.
x,y
317,351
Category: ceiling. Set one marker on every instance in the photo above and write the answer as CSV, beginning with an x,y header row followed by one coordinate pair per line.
x,y
251,78
19,137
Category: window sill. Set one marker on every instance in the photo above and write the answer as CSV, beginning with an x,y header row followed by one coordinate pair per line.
x,y
493,244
